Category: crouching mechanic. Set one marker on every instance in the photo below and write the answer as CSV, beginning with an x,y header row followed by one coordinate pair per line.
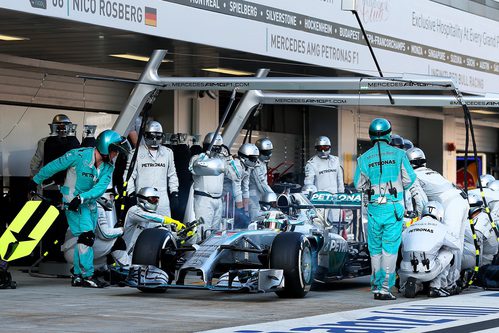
x,y
456,207
384,173
108,239
427,254
144,216
485,236
89,172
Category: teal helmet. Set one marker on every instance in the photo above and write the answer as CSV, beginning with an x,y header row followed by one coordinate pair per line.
x,y
109,141
380,130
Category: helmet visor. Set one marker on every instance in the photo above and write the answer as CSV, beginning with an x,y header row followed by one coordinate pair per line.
x,y
152,200
322,148
121,147
153,135
267,153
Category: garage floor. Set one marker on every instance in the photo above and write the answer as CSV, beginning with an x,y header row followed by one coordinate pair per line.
x,y
52,305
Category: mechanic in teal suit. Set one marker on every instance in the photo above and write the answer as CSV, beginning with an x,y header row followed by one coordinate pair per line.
x,y
383,174
89,173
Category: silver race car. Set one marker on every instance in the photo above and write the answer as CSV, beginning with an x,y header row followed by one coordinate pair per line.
x,y
285,250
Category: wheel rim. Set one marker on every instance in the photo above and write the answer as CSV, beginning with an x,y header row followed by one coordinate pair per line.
x,y
306,265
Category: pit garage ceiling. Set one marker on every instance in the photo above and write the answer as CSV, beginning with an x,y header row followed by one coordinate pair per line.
x,y
62,46
70,42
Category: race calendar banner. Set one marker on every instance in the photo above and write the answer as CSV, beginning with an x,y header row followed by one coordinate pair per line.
x,y
416,37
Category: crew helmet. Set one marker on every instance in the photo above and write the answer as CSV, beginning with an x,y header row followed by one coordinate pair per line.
x,y
380,130
308,190
217,144
434,209
61,125
148,199
397,141
486,179
153,134
408,144
248,153
269,199
265,147
323,146
417,157
494,186
475,202
109,141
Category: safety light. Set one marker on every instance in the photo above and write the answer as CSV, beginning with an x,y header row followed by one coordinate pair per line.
x,y
134,57
12,38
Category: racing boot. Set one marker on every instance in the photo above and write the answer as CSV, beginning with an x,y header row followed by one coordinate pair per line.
x,y
438,292
76,281
410,289
384,297
93,282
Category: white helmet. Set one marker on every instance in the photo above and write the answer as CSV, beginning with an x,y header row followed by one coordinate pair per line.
x,y
434,209
269,199
148,199
153,134
323,146
308,190
486,179
475,202
494,186
265,147
417,157
217,144
248,153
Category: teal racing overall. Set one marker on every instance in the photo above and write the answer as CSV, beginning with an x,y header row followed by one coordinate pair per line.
x,y
83,178
384,173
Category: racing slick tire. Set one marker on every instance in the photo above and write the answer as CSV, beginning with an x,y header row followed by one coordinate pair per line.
x,y
292,252
147,251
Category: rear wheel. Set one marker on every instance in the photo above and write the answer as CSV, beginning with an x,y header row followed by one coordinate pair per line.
x,y
292,252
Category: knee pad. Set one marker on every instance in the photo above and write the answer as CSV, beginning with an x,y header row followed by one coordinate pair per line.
x,y
87,238
119,245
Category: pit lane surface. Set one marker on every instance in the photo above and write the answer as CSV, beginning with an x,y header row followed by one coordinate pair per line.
x,y
52,305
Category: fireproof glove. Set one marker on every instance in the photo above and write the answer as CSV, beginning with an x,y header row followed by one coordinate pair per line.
x,y
174,200
32,186
74,204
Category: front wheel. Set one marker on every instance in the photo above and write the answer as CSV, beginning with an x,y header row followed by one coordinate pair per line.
x,y
292,252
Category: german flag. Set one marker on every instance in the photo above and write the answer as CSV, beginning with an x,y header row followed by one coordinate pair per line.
x,y
151,16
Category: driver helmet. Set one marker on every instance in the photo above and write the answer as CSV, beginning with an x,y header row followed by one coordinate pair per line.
x,y
148,199
486,179
248,153
265,147
153,134
408,144
494,186
397,141
416,157
380,129
308,190
323,146
217,144
109,141
61,125
475,201
434,209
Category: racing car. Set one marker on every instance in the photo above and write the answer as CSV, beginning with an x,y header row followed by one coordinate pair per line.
x,y
288,249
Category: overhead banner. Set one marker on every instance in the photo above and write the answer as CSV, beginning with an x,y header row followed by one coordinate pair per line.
x,y
417,37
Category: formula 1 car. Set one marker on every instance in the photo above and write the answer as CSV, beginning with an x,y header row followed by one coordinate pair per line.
x,y
287,249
